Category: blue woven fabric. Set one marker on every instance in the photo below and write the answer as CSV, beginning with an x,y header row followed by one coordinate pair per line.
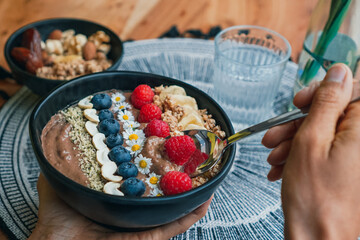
x,y
245,206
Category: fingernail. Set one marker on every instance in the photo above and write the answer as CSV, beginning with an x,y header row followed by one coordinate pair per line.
x,y
336,74
270,174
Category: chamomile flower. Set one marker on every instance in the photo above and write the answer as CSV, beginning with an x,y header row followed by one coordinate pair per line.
x,y
131,124
143,164
134,134
134,146
122,106
117,98
125,116
156,192
153,180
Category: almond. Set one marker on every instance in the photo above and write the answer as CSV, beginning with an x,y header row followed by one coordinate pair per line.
x,y
56,34
89,51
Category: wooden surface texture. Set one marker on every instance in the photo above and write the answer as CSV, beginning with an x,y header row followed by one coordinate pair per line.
x,y
144,19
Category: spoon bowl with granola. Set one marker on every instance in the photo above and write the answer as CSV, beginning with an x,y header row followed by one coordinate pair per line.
x,y
115,151
46,53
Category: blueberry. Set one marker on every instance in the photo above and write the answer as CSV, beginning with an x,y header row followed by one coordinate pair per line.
x,y
127,170
101,101
133,187
105,114
109,126
119,154
114,140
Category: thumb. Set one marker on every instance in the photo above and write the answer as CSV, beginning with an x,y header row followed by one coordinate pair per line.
x,y
329,103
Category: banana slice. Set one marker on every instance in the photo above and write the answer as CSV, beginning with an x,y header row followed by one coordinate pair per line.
x,y
98,141
188,110
108,170
173,90
91,115
85,103
112,188
193,126
102,156
191,118
184,101
91,128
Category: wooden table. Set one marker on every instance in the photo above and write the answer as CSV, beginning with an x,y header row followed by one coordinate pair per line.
x,y
144,19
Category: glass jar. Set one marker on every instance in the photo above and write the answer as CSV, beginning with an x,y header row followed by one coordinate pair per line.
x,y
333,36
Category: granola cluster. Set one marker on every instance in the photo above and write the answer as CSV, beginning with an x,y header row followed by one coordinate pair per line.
x,y
173,114
66,70
67,55
210,124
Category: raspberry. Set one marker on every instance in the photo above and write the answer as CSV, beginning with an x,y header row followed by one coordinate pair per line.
x,y
157,128
179,149
175,182
149,112
142,95
194,161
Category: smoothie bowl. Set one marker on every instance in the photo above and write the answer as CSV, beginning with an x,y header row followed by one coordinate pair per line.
x,y
110,145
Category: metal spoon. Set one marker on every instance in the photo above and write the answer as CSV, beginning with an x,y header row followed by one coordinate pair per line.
x,y
211,145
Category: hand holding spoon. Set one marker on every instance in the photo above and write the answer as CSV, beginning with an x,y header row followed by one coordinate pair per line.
x,y
210,144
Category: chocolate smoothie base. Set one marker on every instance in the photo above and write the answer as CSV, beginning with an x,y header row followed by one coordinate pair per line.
x,y
64,155
60,151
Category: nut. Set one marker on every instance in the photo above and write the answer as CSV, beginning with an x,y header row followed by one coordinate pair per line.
x,y
89,51
56,34
85,103
102,156
91,115
73,44
105,48
99,141
108,170
68,34
99,37
100,56
112,188
54,46
91,128
80,39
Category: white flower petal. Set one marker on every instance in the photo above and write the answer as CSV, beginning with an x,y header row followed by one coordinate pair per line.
x,y
143,164
122,106
134,147
125,116
118,98
153,180
156,192
131,124
134,134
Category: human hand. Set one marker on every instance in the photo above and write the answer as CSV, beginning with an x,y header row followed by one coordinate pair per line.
x,y
318,159
57,220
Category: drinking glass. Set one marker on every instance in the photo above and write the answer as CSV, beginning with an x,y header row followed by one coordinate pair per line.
x,y
249,63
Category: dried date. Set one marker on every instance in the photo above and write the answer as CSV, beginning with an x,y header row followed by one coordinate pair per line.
x,y
30,55
33,63
31,39
21,55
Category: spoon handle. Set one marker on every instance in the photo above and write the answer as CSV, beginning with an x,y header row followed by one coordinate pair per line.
x,y
272,122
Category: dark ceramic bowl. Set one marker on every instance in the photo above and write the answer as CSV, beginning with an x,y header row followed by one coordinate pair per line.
x,y
123,212
42,86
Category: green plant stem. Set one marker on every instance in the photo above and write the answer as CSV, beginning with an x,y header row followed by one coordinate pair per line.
x,y
337,13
